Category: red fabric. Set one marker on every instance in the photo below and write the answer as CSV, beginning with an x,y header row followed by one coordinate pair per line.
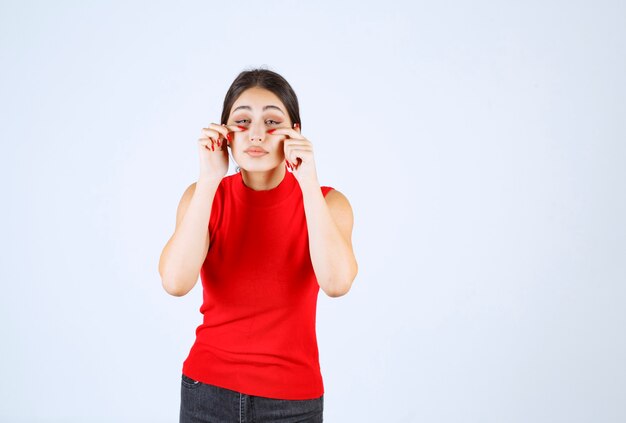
x,y
259,295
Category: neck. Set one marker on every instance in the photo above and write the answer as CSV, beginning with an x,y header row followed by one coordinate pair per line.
x,y
260,181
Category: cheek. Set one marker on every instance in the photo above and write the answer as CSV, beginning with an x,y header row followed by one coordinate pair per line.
x,y
279,148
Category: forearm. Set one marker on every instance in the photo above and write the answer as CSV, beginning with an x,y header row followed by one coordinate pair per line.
x,y
331,254
186,250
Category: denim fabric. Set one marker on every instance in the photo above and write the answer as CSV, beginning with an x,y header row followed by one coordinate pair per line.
x,y
204,403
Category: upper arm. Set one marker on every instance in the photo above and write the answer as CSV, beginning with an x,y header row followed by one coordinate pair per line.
x,y
182,209
184,203
341,212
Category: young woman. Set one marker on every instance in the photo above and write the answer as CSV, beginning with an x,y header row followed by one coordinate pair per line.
x,y
264,241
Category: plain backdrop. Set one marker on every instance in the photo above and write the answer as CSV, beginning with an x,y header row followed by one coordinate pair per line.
x,y
481,145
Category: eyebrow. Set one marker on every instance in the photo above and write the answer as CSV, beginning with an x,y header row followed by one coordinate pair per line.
x,y
269,106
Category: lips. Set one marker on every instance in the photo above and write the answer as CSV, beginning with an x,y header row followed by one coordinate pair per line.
x,y
255,150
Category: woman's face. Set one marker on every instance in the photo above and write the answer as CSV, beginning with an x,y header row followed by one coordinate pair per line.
x,y
258,110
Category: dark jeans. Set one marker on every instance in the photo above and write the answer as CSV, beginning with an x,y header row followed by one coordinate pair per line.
x,y
202,402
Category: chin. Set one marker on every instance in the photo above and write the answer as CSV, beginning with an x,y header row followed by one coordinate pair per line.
x,y
257,165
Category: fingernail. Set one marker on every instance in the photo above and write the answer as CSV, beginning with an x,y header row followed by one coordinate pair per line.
x,y
271,131
229,136
243,128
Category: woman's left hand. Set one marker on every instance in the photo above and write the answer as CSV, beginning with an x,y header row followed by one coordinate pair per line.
x,y
298,155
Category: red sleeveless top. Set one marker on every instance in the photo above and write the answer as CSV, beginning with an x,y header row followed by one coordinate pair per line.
x,y
259,295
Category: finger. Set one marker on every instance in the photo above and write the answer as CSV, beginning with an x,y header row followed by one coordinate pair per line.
x,y
218,131
299,147
234,128
297,156
293,166
209,143
210,133
291,143
206,143
223,128
216,134
298,150
291,133
227,129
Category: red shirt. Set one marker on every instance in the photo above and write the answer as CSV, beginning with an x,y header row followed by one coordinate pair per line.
x,y
259,295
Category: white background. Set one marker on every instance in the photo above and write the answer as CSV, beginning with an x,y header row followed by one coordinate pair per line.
x,y
481,145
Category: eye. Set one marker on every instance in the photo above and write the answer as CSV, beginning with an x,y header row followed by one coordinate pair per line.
x,y
269,121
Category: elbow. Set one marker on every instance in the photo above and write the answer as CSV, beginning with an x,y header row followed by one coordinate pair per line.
x,y
341,287
173,289
336,293
170,286
173,282
174,286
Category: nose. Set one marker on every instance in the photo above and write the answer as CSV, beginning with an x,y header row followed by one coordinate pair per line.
x,y
257,132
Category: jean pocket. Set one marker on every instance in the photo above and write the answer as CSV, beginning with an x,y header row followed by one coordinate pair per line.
x,y
189,382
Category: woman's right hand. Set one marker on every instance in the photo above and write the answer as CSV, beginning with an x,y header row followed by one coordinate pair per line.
x,y
212,146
